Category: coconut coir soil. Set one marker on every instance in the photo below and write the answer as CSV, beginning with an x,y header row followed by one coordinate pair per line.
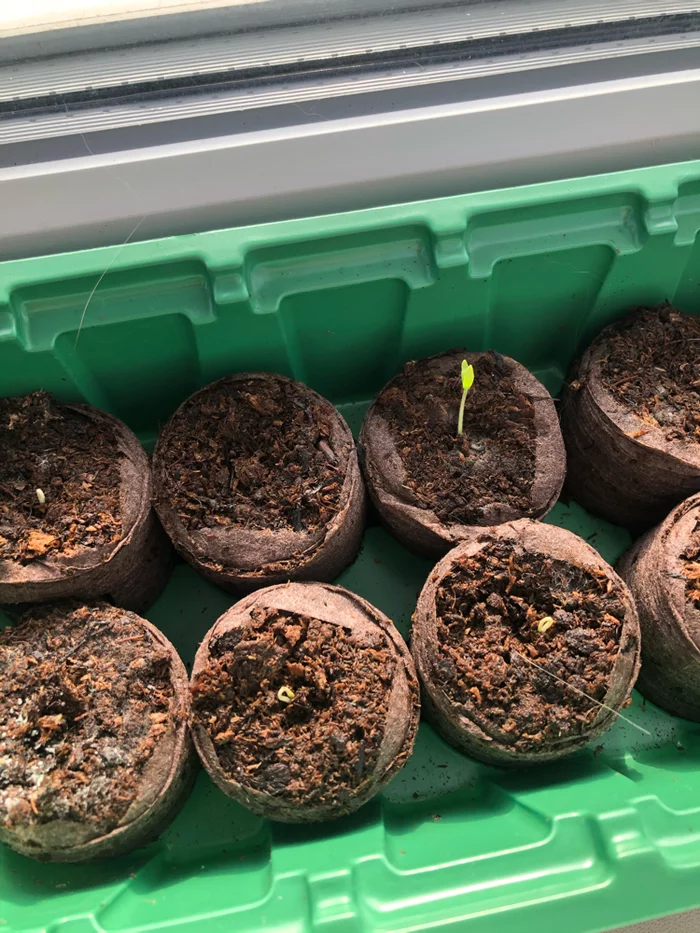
x,y
255,454
651,367
492,461
488,612
84,699
322,744
73,461
690,564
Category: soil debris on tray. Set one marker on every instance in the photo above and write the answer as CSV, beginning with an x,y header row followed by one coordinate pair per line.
x,y
254,454
296,707
492,461
516,630
85,697
59,480
651,367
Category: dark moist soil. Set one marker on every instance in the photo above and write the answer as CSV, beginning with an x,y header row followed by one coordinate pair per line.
x,y
488,613
84,698
255,454
324,743
651,367
493,461
74,462
690,564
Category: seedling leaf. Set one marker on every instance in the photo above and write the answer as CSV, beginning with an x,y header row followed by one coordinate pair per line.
x,y
467,375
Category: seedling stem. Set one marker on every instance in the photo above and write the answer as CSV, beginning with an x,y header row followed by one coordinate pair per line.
x,y
467,383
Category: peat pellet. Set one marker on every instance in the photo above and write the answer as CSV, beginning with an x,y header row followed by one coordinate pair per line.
x,y
429,484
95,752
631,418
75,507
663,572
257,482
305,702
526,643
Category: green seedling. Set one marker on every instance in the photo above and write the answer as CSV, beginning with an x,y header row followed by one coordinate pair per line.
x,y
467,383
41,498
545,623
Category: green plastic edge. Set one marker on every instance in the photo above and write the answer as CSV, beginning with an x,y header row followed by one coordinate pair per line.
x,y
448,216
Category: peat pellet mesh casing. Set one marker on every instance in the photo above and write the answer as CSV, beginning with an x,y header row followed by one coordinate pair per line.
x,y
663,572
75,507
256,481
631,418
526,643
95,752
305,702
431,485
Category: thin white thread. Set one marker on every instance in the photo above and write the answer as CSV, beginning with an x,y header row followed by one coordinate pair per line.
x,y
106,168
97,283
576,690
119,251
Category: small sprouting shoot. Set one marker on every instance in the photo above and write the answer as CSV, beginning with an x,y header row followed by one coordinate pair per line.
x,y
545,623
41,496
467,383
285,694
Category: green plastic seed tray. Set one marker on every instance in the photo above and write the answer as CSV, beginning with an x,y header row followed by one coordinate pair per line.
x,y
608,837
